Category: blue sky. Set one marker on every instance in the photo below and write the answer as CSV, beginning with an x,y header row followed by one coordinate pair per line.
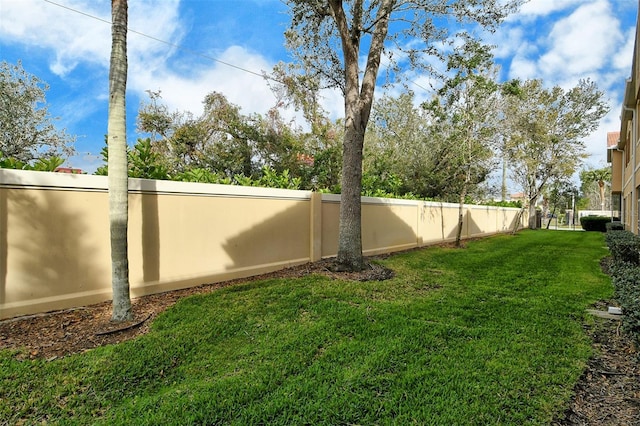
x,y
559,41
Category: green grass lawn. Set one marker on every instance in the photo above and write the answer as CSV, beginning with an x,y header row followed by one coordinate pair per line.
x,y
489,334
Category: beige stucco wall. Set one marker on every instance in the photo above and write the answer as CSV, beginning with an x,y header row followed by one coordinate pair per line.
x,y
388,225
187,240
52,250
54,237
435,225
392,225
54,234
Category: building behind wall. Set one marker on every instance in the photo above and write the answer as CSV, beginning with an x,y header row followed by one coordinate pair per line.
x,y
615,157
624,154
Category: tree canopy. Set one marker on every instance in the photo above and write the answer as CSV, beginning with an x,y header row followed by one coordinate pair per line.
x,y
224,142
600,178
467,116
546,131
27,130
342,43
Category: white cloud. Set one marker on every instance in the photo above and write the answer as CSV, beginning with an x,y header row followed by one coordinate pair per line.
x,y
581,43
537,8
71,36
507,41
76,38
584,43
247,90
523,68
184,79
186,92
563,41
596,143
159,22
623,57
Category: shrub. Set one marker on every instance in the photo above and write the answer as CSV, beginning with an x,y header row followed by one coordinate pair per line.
x,y
515,204
49,164
198,174
595,223
624,246
614,226
626,282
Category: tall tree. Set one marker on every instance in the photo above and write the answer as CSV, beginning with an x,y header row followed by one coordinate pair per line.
x,y
321,144
559,196
398,144
329,38
118,179
547,127
154,118
467,112
229,144
601,177
27,132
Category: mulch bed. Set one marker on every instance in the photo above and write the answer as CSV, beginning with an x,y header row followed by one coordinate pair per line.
x,y
608,392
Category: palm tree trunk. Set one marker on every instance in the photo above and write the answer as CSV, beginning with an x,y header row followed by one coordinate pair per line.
x,y
118,180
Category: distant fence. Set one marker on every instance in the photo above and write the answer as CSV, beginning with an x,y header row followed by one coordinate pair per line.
x,y
55,250
607,213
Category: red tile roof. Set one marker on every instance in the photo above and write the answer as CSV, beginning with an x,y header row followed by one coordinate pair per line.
x,y
68,170
612,139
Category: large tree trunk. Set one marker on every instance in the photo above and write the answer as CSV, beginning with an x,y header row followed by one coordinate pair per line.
x,y
118,180
532,214
350,230
358,101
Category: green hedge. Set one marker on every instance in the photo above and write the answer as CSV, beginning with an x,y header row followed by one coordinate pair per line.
x,y
624,246
626,281
595,223
625,276
614,226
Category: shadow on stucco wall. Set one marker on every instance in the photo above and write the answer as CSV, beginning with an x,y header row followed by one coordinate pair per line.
x,y
286,236
48,256
3,243
150,234
281,238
